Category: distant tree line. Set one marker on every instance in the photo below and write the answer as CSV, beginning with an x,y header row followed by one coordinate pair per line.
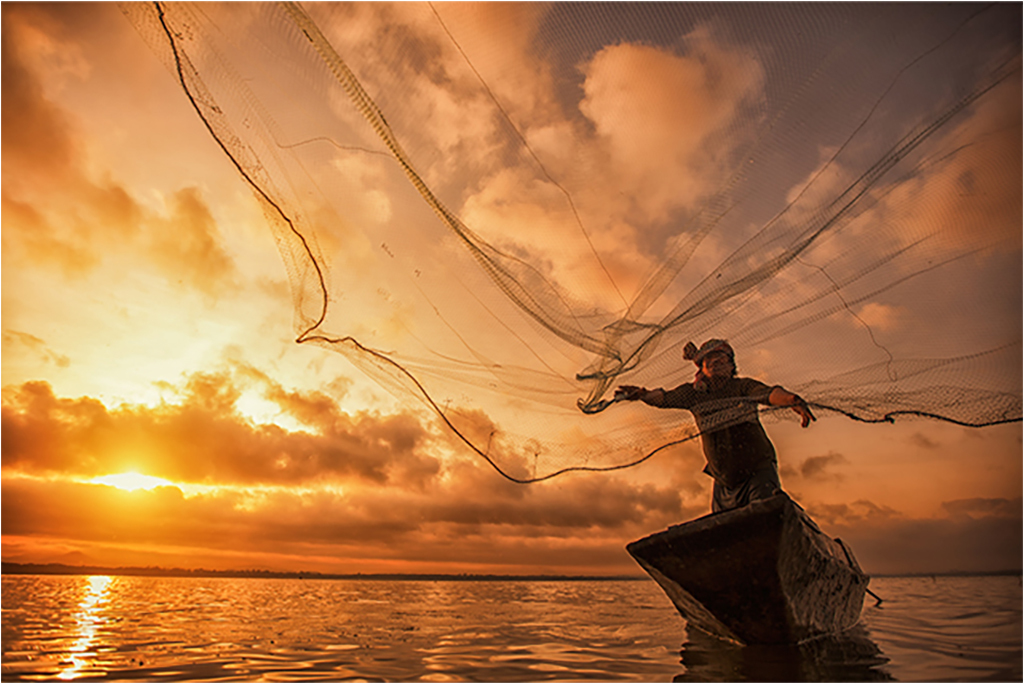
x,y
9,568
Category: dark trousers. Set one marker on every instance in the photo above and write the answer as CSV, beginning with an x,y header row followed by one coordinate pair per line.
x,y
762,484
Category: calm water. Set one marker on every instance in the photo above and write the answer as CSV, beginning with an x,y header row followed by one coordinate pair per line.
x,y
159,629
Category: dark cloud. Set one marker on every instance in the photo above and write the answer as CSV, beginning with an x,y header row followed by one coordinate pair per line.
x,y
921,440
987,544
476,498
818,467
858,512
979,507
63,508
980,535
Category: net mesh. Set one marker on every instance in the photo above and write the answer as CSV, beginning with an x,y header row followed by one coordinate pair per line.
x,y
504,211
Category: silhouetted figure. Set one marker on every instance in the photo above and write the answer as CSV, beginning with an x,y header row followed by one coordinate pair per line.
x,y
741,458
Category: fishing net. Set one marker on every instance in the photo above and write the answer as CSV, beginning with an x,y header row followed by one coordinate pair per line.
x,y
504,211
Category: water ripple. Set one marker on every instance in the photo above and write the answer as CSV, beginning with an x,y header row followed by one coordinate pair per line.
x,y
160,629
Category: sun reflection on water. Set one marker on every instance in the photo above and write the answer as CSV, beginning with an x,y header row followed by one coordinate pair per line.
x,y
88,621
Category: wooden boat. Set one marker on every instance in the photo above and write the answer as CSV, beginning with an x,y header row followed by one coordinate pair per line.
x,y
761,574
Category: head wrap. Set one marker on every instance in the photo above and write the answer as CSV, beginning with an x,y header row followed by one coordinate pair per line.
x,y
691,352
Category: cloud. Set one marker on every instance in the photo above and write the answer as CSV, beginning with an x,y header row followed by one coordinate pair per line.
x,y
444,112
15,341
649,138
478,499
464,523
979,535
970,198
962,196
519,79
921,440
32,232
981,507
936,546
880,317
662,115
204,439
365,492
61,208
622,168
904,241
815,467
37,135
357,487
187,246
44,154
857,512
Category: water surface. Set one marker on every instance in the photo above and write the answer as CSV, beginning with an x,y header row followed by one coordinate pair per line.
x,y
195,629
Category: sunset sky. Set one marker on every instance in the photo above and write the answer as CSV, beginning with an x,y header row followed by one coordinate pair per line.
x,y
157,410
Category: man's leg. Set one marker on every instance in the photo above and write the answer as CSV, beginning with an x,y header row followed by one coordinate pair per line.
x,y
763,484
727,498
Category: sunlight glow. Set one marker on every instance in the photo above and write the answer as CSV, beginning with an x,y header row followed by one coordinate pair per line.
x,y
263,412
132,481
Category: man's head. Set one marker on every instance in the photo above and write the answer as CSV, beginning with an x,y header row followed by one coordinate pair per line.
x,y
715,358
718,364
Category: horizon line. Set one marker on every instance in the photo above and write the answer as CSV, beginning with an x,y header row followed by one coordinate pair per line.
x,y
16,568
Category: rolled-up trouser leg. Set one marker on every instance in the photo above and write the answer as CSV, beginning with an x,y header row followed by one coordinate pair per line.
x,y
762,484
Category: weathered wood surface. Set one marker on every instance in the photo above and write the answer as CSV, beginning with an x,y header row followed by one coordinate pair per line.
x,y
761,574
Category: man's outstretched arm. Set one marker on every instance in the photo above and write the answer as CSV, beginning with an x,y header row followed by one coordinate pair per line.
x,y
654,397
781,397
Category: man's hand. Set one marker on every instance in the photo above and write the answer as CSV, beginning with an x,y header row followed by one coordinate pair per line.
x,y
805,413
629,393
781,397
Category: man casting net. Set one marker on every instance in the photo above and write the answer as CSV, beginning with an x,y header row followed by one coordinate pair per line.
x,y
506,211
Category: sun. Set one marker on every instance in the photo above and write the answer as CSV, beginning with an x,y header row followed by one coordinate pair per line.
x,y
132,481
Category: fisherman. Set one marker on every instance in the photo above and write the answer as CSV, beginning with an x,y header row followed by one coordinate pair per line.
x,y
741,458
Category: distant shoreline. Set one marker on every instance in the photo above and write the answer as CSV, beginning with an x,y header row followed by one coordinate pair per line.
x,y
9,568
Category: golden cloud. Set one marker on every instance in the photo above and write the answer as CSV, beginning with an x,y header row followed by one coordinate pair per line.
x,y
14,339
357,485
186,245
204,439
37,135
663,116
59,211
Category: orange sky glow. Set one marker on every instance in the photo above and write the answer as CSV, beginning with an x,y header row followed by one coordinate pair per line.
x,y
157,411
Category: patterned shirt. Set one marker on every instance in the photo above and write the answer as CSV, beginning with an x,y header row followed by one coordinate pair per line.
x,y
734,442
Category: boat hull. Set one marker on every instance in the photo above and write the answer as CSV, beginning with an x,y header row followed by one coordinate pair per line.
x,y
761,574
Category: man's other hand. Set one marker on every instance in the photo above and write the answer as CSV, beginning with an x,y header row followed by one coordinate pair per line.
x,y
629,393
